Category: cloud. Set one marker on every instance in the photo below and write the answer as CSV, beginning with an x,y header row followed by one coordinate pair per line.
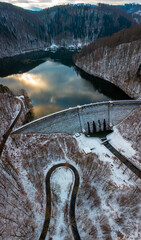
x,y
45,109
38,4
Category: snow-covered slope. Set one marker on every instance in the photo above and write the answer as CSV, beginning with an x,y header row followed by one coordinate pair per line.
x,y
119,64
130,143
9,109
108,201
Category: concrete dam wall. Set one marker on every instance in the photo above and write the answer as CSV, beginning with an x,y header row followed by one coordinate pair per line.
x,y
88,118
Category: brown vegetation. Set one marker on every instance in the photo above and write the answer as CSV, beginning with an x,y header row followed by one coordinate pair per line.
x,y
62,25
130,130
100,197
123,36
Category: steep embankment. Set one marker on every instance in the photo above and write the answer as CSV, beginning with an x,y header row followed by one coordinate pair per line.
x,y
116,59
126,138
9,109
130,129
22,31
16,215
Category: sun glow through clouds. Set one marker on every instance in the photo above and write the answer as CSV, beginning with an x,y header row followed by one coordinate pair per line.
x,y
32,80
29,79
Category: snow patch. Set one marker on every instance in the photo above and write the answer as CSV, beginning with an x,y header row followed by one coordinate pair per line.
x,y
62,177
95,146
122,145
138,12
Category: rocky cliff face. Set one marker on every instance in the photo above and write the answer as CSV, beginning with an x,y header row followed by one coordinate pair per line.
x,y
119,63
22,31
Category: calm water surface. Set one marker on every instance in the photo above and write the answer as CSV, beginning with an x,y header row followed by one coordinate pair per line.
x,y
53,86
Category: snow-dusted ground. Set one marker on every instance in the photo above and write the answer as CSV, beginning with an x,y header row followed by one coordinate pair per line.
x,y
124,60
106,186
138,12
9,109
61,185
127,137
108,201
124,147
94,145
121,144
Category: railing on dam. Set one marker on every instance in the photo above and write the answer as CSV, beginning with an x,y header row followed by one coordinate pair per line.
x,y
91,117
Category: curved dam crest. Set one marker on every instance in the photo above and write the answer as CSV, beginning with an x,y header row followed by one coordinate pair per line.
x,y
101,116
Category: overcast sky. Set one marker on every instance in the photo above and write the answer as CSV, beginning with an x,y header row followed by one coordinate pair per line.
x,y
30,4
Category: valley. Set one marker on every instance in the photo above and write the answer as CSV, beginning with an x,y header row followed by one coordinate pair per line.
x,y
64,26
70,132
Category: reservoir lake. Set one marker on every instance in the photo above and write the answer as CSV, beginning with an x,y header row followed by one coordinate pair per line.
x,y
53,82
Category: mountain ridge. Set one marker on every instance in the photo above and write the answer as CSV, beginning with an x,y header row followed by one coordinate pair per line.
x,y
23,30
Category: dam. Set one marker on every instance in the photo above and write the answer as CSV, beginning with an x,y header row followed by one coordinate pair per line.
x,y
89,118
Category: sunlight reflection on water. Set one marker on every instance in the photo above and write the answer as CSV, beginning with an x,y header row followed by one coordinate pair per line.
x,y
53,87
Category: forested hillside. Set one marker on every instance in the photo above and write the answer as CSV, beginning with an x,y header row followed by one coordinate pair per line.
x,y
134,10
116,59
22,30
83,22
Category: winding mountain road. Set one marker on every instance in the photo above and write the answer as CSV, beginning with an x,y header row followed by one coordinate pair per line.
x,y
72,204
6,135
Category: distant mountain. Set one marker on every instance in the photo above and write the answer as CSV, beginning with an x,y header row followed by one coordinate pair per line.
x,y
22,30
116,59
70,24
34,9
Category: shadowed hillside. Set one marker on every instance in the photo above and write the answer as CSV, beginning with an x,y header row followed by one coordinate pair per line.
x,y
22,30
116,59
